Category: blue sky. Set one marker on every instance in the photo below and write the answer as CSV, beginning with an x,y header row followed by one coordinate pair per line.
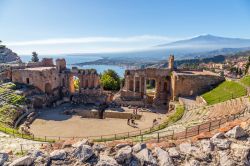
x,y
72,26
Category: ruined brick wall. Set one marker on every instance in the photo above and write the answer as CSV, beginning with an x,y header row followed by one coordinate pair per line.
x,y
185,85
45,62
6,75
44,79
60,64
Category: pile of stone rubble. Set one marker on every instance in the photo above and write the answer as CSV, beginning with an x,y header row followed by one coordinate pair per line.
x,y
226,149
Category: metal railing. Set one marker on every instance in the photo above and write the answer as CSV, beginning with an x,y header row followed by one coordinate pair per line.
x,y
145,134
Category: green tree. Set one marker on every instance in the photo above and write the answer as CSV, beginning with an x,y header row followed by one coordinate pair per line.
x,y
34,57
110,80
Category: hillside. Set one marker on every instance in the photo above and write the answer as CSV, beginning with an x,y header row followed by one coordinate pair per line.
x,y
225,91
6,55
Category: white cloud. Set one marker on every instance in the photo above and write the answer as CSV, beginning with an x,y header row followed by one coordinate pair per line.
x,y
88,44
131,39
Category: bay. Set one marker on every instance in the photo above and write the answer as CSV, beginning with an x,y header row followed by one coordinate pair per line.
x,y
71,60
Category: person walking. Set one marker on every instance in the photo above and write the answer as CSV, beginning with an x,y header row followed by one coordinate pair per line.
x,y
128,122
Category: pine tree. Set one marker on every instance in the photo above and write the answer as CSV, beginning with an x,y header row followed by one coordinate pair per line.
x,y
34,57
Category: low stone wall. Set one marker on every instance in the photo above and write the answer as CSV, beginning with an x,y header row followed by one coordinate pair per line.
x,y
120,115
88,99
107,114
130,95
88,114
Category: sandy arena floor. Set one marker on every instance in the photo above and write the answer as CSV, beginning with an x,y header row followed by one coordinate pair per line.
x,y
53,123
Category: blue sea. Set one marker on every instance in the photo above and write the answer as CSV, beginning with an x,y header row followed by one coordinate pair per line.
x,y
72,59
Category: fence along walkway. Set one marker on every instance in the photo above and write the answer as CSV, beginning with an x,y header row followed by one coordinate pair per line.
x,y
194,130
158,136
177,130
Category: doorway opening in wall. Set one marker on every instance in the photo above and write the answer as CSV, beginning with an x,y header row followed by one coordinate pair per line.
x,y
27,80
76,82
48,88
150,90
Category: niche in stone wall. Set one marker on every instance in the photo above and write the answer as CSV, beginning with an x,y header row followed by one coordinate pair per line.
x,y
27,80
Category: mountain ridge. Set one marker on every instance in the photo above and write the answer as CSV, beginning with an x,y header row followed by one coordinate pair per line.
x,y
208,40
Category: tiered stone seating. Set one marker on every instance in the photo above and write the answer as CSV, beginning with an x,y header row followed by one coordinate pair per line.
x,y
208,113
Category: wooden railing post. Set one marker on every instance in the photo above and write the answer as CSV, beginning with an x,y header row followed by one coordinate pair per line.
x,y
21,148
209,128
141,138
158,137
186,132
198,129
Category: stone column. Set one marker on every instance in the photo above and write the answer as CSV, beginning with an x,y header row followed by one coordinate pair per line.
x,y
134,84
140,88
157,88
83,82
71,84
127,83
86,83
80,82
145,88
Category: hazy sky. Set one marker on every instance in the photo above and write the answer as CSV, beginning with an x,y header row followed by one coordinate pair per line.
x,y
71,26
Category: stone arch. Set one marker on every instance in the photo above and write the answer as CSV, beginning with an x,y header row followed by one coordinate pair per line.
x,y
48,88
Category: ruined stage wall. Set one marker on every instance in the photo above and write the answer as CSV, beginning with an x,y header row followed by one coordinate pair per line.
x,y
192,85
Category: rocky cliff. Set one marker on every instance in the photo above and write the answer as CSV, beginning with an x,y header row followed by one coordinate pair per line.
x,y
6,55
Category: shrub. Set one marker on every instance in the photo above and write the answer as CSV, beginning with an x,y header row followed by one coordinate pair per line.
x,y
110,80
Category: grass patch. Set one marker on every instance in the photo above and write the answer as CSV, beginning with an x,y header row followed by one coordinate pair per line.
x,y
225,91
8,114
245,80
10,108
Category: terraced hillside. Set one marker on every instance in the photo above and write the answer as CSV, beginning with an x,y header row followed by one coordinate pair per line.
x,y
225,91
246,80
11,104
